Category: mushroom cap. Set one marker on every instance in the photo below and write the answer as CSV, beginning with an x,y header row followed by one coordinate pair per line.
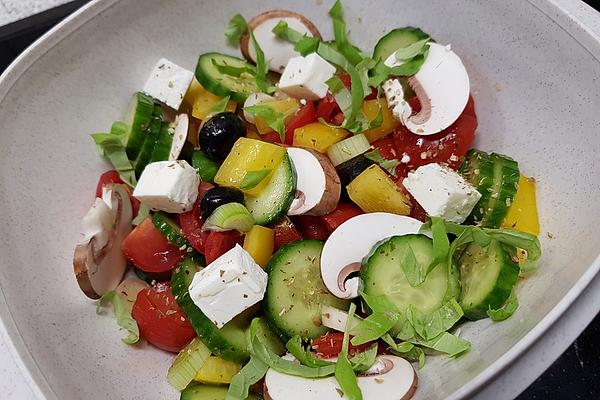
x,y
442,87
318,186
391,378
352,241
98,262
277,51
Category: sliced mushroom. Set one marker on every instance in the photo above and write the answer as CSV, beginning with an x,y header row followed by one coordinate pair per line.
x,y
442,87
334,318
390,378
352,241
98,262
277,51
318,186
179,128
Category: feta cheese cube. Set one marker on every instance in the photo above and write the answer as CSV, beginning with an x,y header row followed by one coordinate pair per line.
x,y
168,83
229,285
170,186
442,192
305,77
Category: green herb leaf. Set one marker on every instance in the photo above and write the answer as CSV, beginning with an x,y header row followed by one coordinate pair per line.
x,y
304,355
351,52
262,68
307,45
275,119
344,373
219,107
429,326
124,319
364,360
143,212
412,50
204,166
376,123
447,343
253,178
236,27
406,350
384,316
251,373
510,306
441,244
380,72
303,44
389,165
234,71
111,147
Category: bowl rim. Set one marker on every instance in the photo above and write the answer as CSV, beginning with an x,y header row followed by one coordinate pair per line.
x,y
577,19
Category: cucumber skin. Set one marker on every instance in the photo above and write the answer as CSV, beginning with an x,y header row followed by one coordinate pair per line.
x,y
254,204
167,227
219,89
272,314
508,190
381,52
135,139
507,279
207,331
478,169
151,138
162,147
208,392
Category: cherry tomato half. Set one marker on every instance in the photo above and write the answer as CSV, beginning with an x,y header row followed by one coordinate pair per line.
x,y
161,321
312,227
112,176
285,232
219,243
150,250
330,345
342,213
304,116
191,222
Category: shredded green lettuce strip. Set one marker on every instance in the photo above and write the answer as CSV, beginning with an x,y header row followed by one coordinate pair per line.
x,y
219,107
344,374
236,27
508,309
275,119
123,314
143,212
111,146
351,52
253,178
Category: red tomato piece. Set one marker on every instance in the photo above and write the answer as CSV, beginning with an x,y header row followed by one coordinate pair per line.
x,y
304,116
285,232
312,227
271,137
330,345
161,320
191,222
149,250
219,243
449,146
342,213
107,177
327,108
135,203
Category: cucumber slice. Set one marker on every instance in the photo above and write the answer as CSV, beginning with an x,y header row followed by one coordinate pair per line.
x,y
228,342
487,275
207,168
170,229
151,137
275,199
228,217
496,177
383,275
396,39
187,364
295,291
137,119
119,128
239,84
208,392
163,144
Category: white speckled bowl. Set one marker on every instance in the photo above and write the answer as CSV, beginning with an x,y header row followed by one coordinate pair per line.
x,y
535,75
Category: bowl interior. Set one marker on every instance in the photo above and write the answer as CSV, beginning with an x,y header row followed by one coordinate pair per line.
x,y
537,94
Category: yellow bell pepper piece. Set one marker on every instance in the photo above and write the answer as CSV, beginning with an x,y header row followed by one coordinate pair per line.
x,y
318,136
259,242
373,190
249,155
217,371
371,108
287,107
522,214
202,101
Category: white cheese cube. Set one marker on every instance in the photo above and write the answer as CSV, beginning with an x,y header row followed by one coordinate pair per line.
x,y
170,186
168,83
305,77
442,192
229,285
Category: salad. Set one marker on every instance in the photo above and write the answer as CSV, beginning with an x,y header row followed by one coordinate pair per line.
x,y
309,219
